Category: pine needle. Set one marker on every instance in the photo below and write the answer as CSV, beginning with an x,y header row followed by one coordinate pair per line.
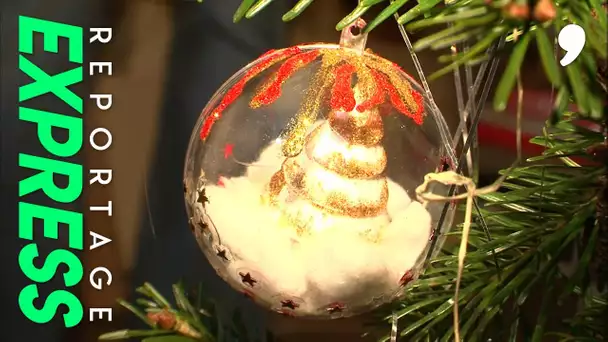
x,y
452,178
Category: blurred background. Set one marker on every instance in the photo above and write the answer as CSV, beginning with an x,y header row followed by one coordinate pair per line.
x,y
168,59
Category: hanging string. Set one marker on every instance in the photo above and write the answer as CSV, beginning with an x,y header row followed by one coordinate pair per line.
x,y
460,104
481,73
453,178
467,144
444,133
443,129
456,180
425,197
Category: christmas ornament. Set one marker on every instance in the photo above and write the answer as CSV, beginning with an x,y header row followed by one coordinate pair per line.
x,y
300,175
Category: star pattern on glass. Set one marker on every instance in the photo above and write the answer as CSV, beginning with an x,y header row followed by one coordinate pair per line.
x,y
202,197
221,253
247,279
197,224
289,304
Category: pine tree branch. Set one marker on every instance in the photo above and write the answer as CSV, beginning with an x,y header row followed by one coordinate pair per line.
x,y
540,212
481,23
192,319
184,323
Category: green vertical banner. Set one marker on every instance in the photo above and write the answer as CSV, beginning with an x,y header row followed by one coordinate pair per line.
x,y
44,171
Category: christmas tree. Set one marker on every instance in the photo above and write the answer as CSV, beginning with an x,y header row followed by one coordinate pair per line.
x,y
546,207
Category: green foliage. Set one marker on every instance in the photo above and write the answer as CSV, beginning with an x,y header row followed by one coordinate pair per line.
x,y
192,319
545,206
481,23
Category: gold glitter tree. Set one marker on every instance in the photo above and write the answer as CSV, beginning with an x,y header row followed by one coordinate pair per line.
x,y
340,172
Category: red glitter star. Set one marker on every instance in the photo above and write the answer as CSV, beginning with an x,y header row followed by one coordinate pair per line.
x,y
406,278
246,278
202,197
220,182
228,150
221,253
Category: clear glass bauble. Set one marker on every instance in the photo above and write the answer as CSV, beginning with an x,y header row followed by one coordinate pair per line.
x,y
306,204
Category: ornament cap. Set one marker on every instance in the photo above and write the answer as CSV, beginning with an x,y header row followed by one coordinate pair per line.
x,y
353,37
